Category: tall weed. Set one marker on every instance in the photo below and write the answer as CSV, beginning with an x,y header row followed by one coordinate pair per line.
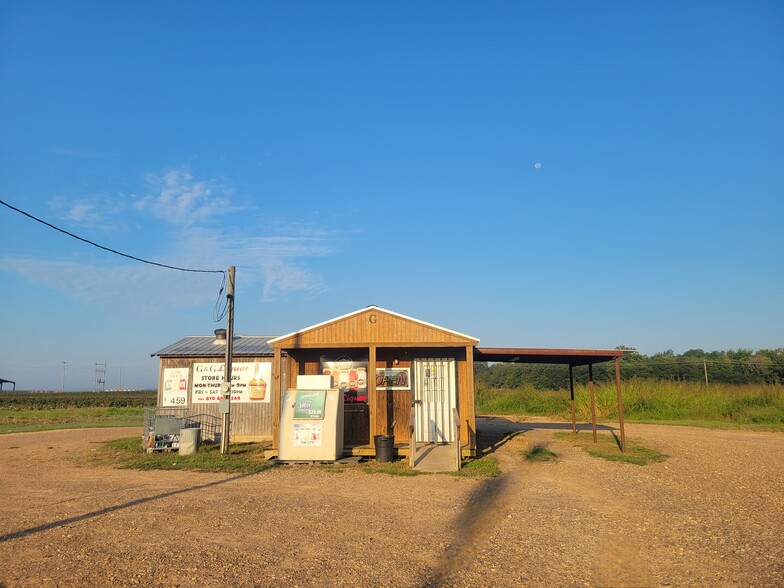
x,y
647,400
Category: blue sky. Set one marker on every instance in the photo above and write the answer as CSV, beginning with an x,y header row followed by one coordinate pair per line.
x,y
534,174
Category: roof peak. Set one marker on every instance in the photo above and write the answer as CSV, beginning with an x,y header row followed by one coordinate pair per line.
x,y
377,308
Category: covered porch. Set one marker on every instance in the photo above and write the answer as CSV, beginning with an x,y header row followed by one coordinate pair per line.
x,y
570,358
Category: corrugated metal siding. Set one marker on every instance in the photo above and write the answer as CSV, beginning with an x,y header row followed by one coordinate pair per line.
x,y
205,347
251,421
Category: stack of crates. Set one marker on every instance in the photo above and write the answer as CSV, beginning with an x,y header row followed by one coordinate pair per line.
x,y
161,432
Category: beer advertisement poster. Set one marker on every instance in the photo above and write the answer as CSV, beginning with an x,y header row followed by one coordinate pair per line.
x,y
349,375
175,387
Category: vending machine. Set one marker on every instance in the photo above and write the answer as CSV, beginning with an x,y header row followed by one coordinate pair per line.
x,y
311,421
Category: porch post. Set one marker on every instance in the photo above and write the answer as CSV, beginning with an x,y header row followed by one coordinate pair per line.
x,y
468,405
620,402
571,391
593,402
372,395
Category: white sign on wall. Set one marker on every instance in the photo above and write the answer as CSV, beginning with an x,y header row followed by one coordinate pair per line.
x,y
175,387
246,377
307,435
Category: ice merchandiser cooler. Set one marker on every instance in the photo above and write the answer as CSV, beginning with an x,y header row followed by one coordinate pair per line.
x,y
311,421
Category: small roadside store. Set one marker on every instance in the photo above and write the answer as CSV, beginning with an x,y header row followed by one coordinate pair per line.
x,y
394,376
394,371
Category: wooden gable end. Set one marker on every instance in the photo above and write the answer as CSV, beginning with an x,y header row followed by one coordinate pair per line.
x,y
373,326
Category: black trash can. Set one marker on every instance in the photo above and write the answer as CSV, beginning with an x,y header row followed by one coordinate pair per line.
x,y
385,446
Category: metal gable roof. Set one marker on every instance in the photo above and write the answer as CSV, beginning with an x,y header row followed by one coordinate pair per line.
x,y
205,346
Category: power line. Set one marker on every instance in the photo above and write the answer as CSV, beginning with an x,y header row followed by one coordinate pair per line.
x,y
51,226
220,313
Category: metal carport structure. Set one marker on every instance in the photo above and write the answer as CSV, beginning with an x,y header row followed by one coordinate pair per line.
x,y
572,358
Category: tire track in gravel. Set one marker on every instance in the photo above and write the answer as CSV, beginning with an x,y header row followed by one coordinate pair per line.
x,y
618,560
484,510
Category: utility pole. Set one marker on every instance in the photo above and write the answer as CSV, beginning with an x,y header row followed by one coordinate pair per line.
x,y
225,404
62,385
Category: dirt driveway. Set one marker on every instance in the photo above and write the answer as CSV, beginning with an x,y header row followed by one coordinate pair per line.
x,y
710,515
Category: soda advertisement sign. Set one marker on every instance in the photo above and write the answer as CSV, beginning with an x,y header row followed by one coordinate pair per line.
x,y
208,377
175,387
307,435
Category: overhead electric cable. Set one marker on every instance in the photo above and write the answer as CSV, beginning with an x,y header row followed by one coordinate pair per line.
x,y
219,313
50,225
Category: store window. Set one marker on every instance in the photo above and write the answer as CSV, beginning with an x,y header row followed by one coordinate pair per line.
x,y
349,375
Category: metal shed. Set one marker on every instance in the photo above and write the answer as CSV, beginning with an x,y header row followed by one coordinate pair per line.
x,y
190,374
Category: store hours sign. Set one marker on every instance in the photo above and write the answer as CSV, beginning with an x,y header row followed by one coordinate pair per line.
x,y
208,377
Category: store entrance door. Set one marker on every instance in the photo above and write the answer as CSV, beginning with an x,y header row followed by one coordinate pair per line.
x,y
434,398
356,423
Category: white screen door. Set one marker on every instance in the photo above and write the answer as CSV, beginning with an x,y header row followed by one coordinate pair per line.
x,y
434,399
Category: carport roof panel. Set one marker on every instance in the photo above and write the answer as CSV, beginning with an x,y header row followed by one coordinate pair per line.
x,y
559,356
205,346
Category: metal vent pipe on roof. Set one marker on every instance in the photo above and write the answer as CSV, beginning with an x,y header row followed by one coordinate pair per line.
x,y
220,337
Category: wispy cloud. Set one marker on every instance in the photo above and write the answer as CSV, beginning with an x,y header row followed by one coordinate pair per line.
x,y
97,211
281,278
275,264
141,287
180,198
279,262
83,212
278,266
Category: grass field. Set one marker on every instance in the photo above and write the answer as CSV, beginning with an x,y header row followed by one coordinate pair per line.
x,y
721,405
23,421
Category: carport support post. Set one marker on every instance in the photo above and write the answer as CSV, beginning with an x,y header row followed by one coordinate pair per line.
x,y
571,391
593,402
620,402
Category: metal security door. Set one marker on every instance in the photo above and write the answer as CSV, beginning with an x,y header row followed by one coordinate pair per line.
x,y
434,399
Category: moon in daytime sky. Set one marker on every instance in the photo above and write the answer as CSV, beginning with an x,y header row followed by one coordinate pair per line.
x,y
537,165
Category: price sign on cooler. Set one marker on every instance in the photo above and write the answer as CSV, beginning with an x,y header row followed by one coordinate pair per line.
x,y
175,387
309,405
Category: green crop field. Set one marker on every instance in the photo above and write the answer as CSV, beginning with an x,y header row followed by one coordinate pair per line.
x,y
40,411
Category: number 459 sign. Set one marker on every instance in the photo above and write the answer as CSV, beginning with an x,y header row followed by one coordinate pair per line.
x,y
175,387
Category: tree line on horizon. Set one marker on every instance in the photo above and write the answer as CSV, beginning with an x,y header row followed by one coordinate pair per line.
x,y
736,366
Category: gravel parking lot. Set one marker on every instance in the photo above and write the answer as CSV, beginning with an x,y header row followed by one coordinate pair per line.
x,y
710,515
